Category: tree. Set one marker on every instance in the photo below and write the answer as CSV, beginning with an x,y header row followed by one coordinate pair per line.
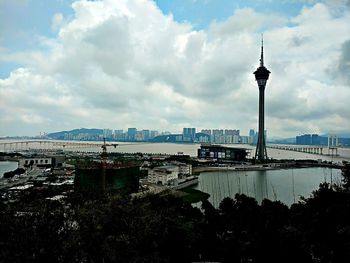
x,y
346,175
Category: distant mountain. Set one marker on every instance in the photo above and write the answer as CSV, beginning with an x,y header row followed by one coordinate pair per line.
x,y
340,135
91,133
282,140
344,135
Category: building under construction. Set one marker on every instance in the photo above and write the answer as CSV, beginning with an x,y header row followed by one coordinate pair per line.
x,y
107,177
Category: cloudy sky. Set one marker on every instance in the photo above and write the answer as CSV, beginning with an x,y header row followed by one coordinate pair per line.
x,y
169,64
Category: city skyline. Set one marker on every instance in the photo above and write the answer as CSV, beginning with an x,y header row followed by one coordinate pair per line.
x,y
188,135
173,64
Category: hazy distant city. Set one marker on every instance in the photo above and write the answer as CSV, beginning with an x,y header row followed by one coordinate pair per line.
x,y
188,135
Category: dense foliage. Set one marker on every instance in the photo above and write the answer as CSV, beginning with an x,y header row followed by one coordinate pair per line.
x,y
163,228
17,171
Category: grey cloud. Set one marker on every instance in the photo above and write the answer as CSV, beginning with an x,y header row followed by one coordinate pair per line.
x,y
296,41
344,62
339,2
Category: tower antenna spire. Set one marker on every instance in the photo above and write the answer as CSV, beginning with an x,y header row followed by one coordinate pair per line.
x,y
262,51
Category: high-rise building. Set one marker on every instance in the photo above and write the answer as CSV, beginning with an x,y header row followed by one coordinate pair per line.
x,y
304,139
311,139
251,136
218,132
107,133
189,134
118,132
132,134
315,139
119,135
139,136
244,139
145,135
203,137
153,134
231,132
261,76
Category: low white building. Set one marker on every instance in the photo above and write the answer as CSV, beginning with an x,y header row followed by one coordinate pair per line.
x,y
184,169
165,175
42,161
35,161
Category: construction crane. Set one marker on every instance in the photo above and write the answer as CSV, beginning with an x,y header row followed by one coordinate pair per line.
x,y
104,160
104,150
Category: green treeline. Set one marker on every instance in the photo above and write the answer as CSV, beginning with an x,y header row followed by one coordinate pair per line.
x,y
164,228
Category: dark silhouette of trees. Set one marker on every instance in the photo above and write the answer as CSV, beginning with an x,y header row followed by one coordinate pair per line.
x,y
17,171
346,176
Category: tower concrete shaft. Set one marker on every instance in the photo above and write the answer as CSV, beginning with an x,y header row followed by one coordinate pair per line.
x,y
261,76
261,153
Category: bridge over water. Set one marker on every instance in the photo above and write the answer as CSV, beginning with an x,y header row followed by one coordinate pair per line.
x,y
311,149
65,146
46,145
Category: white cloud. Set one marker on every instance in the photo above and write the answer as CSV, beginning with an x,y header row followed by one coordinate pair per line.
x,y
119,64
246,20
57,21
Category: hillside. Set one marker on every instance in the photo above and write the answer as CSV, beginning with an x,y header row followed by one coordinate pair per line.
x,y
61,135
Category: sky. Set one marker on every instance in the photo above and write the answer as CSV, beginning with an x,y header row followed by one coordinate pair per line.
x,y
168,64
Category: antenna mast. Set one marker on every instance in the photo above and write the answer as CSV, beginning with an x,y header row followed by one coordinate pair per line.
x,y
262,51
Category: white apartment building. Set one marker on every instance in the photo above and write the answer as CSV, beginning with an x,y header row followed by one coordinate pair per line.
x,y
245,139
184,169
165,175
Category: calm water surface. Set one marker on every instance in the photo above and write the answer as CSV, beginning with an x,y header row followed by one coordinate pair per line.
x,y
284,185
6,166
